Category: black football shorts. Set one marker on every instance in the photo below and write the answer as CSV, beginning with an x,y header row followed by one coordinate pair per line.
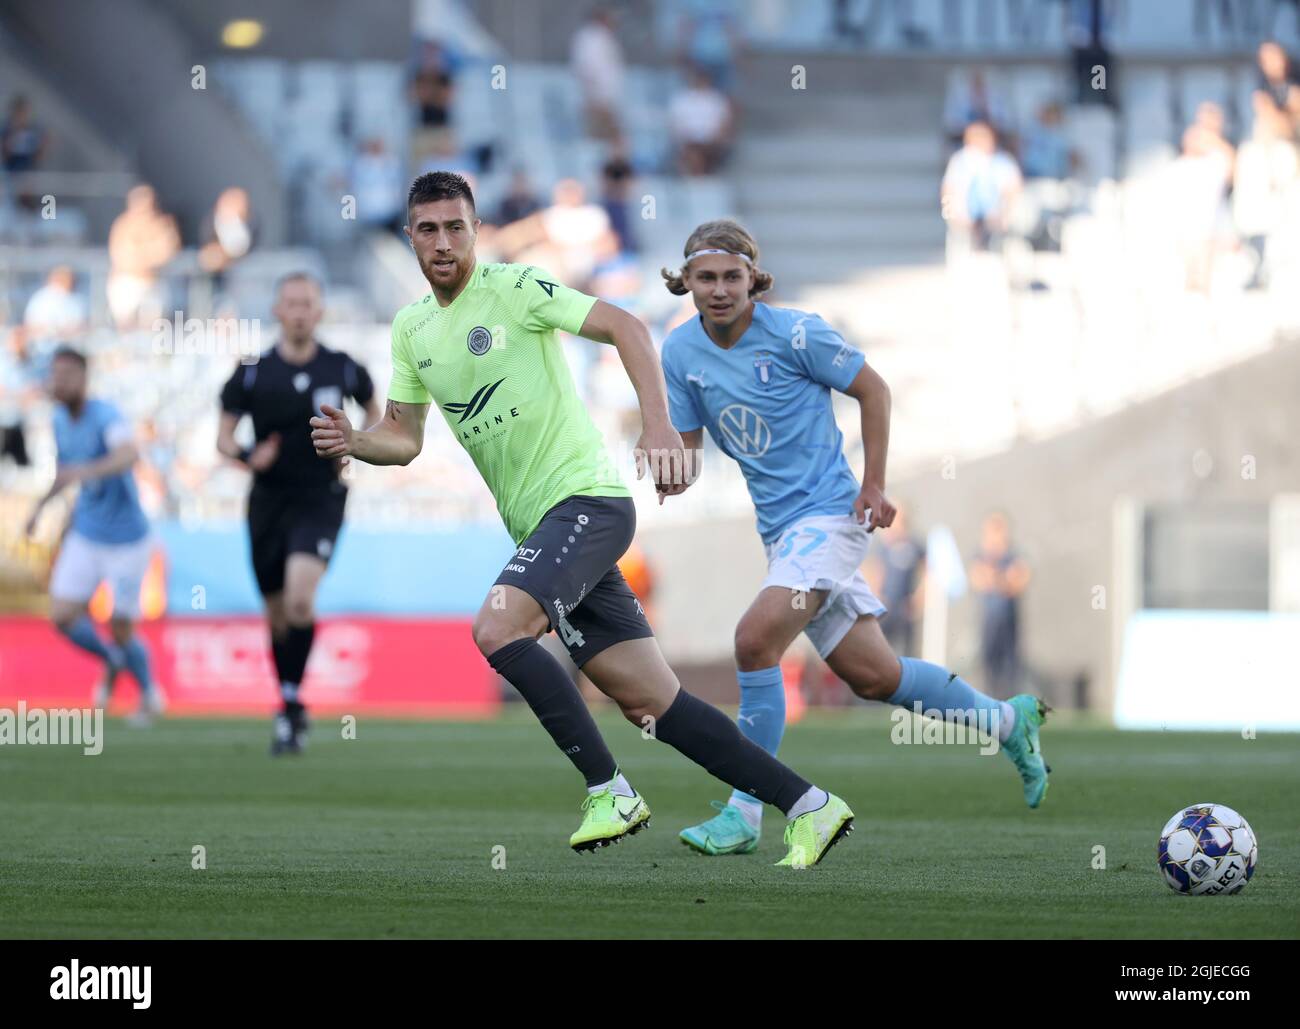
x,y
569,565
297,520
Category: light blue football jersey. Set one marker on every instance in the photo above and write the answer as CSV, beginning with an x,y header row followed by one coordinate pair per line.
x,y
767,403
107,510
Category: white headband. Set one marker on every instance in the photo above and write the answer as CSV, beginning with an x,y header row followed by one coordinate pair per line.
x,y
700,253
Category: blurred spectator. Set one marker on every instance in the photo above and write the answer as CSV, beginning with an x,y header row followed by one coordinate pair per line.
x,y
226,234
55,313
980,186
972,98
616,181
709,38
569,238
1279,82
142,240
1045,151
1087,24
1198,184
433,93
433,84
20,387
596,58
895,568
520,201
379,186
875,13
699,119
1209,116
1267,181
998,577
22,141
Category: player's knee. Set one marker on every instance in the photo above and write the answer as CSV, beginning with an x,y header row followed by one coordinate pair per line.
x,y
299,610
874,681
122,630
491,632
754,649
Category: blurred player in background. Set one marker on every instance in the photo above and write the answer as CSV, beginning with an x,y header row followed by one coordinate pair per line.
x,y
108,538
759,378
295,507
482,346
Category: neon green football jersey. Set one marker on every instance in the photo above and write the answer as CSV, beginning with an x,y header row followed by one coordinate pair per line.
x,y
491,363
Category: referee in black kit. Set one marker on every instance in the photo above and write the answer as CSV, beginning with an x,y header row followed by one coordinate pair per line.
x,y
295,508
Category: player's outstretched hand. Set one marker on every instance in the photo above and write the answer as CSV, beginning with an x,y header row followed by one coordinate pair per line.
x,y
262,456
331,433
661,452
873,499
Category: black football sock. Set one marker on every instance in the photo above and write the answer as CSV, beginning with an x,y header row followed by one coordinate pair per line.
x,y
713,741
558,705
277,656
297,648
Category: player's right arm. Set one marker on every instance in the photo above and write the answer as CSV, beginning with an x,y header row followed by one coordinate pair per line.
x,y
234,405
397,438
687,418
258,458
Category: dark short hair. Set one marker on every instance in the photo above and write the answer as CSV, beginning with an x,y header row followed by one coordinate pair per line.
x,y
67,353
439,185
297,276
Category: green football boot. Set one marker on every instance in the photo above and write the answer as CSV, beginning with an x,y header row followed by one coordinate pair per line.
x,y
1023,748
725,833
608,818
811,835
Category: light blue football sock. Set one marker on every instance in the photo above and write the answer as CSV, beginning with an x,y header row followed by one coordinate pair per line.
x,y
762,715
136,657
944,694
82,633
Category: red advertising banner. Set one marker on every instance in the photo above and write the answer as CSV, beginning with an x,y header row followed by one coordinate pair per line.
x,y
222,666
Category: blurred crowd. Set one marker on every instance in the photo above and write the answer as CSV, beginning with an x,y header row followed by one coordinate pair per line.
x,y
1225,193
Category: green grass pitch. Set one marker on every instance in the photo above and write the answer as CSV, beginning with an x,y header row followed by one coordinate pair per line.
x,y
392,834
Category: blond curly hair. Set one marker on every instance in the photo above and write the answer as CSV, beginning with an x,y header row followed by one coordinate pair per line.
x,y
723,234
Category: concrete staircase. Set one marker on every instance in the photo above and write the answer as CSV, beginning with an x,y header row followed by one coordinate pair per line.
x,y
843,175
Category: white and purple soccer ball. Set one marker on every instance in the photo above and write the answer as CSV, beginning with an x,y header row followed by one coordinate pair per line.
x,y
1207,849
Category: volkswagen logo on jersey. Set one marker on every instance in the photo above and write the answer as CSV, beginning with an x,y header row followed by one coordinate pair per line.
x,y
301,381
763,369
479,341
746,432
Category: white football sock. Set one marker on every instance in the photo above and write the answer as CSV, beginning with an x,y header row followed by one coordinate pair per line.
x,y
810,801
618,785
751,810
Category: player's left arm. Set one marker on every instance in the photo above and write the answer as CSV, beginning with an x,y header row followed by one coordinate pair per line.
x,y
660,446
121,456
872,394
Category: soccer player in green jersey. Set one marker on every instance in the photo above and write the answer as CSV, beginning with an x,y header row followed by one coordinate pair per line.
x,y
481,346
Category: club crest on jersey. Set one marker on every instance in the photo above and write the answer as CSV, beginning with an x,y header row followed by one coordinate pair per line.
x,y
763,369
479,341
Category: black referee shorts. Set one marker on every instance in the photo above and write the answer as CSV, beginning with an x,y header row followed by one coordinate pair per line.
x,y
292,520
569,565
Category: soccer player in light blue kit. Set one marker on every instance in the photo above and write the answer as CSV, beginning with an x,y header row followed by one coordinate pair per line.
x,y
108,538
759,379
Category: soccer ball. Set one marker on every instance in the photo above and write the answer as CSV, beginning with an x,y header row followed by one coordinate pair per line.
x,y
1207,849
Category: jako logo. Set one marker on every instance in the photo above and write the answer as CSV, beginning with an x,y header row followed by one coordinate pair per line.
x,y
476,404
108,982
